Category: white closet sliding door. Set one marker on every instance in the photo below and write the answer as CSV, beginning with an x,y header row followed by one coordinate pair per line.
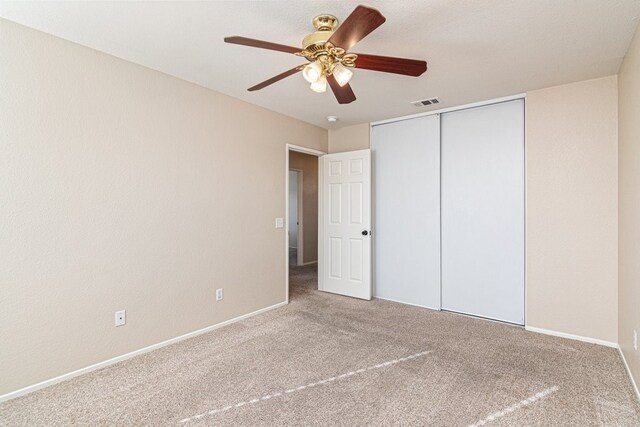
x,y
406,231
482,184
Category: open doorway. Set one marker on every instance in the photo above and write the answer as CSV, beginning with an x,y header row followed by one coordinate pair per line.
x,y
302,220
296,217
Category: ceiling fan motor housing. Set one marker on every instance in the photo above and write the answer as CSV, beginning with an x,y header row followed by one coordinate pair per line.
x,y
325,25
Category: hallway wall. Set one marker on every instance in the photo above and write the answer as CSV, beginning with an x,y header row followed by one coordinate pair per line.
x,y
309,166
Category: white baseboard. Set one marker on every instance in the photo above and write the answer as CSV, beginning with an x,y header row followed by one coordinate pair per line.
x,y
407,303
572,337
633,381
105,363
310,262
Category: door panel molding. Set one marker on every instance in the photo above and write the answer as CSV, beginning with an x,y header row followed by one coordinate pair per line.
x,y
344,254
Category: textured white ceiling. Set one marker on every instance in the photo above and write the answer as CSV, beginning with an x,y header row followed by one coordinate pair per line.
x,y
476,49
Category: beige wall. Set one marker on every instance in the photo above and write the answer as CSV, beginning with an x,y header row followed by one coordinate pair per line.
x,y
629,211
571,206
125,188
308,164
572,203
349,138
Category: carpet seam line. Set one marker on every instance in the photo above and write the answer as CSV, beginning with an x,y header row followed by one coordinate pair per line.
x,y
305,386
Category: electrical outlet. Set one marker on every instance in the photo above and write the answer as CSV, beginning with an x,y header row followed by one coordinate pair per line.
x,y
635,339
279,222
121,318
219,294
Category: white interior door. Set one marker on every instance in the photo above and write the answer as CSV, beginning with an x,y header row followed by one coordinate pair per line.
x,y
344,262
406,182
483,211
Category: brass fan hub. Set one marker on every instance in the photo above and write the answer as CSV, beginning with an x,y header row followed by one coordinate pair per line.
x,y
324,25
315,46
324,22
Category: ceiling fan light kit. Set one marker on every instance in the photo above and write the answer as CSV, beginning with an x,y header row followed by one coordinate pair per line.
x,y
342,74
319,85
312,72
326,49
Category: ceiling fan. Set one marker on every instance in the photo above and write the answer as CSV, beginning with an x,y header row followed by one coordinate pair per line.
x,y
327,51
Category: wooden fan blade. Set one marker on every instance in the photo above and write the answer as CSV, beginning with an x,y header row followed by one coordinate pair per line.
x,y
388,64
362,21
344,94
277,78
261,44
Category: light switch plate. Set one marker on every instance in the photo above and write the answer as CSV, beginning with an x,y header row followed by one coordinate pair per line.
x,y
279,222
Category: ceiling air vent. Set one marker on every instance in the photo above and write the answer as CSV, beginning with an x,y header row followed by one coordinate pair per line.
x,y
423,102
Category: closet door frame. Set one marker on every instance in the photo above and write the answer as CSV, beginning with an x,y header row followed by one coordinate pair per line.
x,y
522,96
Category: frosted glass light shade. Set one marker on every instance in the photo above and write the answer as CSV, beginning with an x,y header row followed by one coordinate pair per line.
x,y
312,72
320,85
342,74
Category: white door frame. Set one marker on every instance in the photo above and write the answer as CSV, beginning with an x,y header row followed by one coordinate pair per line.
x,y
304,150
299,214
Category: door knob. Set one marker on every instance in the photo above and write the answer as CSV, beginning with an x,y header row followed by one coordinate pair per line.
x,y
365,232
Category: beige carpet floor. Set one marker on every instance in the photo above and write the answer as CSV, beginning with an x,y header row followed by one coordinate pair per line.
x,y
331,360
